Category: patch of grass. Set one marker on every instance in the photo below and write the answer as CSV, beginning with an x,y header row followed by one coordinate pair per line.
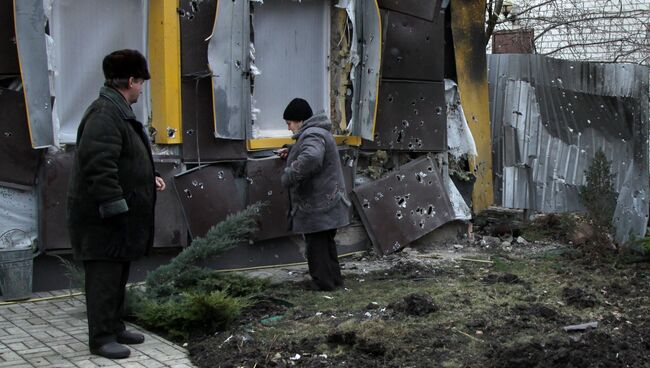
x,y
474,317
555,227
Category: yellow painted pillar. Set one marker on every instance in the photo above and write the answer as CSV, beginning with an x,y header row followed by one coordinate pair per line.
x,y
165,69
468,22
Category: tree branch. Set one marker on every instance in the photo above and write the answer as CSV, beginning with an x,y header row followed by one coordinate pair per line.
x,y
582,45
492,20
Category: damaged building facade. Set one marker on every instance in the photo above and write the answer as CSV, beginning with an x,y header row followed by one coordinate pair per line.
x,y
388,73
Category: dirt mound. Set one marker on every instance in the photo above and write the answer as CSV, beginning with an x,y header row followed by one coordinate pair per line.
x,y
535,310
593,349
415,305
342,338
507,278
578,298
409,269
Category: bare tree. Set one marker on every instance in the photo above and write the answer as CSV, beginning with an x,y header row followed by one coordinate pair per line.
x,y
595,30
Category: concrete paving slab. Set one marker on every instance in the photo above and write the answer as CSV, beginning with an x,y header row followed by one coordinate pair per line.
x,y
50,330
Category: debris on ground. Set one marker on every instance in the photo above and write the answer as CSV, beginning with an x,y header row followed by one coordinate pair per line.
x,y
458,307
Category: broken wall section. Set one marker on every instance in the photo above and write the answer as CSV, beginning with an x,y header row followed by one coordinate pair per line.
x,y
550,116
411,109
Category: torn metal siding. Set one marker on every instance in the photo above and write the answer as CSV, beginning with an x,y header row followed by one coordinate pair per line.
x,y
32,53
363,123
228,60
550,116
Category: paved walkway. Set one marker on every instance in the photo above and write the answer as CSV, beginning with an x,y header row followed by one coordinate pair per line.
x,y
54,333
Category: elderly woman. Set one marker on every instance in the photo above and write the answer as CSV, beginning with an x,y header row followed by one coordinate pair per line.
x,y
314,177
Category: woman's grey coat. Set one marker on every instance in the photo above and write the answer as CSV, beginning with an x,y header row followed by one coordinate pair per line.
x,y
111,195
314,177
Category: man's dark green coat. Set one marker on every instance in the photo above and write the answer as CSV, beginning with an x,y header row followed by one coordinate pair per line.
x,y
112,193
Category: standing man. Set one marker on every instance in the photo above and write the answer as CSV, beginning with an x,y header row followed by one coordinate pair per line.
x,y
111,200
318,199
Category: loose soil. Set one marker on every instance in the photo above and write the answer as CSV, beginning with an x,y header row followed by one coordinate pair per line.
x,y
427,309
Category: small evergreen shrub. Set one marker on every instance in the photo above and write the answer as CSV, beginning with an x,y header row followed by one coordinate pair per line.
x,y
181,300
187,315
598,196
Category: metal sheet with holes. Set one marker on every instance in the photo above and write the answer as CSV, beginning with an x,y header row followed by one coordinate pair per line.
x,y
412,48
196,21
18,160
404,205
263,177
8,50
30,39
199,143
228,50
349,158
170,230
411,117
52,198
365,106
428,10
284,251
207,195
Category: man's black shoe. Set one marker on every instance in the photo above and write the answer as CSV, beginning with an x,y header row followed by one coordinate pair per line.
x,y
130,338
112,350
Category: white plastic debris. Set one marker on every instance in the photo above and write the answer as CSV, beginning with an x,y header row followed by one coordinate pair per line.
x,y
295,357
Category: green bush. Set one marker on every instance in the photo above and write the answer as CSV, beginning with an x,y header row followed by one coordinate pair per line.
x,y
180,299
187,315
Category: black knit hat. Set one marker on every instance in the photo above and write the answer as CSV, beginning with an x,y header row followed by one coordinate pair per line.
x,y
125,64
297,110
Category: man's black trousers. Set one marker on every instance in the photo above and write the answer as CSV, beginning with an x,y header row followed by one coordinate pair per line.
x,y
323,260
105,288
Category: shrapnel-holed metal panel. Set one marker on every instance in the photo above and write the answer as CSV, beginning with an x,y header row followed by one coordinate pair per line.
x,y
196,21
363,123
9,60
18,160
228,60
349,158
428,10
263,177
411,117
562,112
199,143
52,200
170,229
208,194
30,38
403,205
412,48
